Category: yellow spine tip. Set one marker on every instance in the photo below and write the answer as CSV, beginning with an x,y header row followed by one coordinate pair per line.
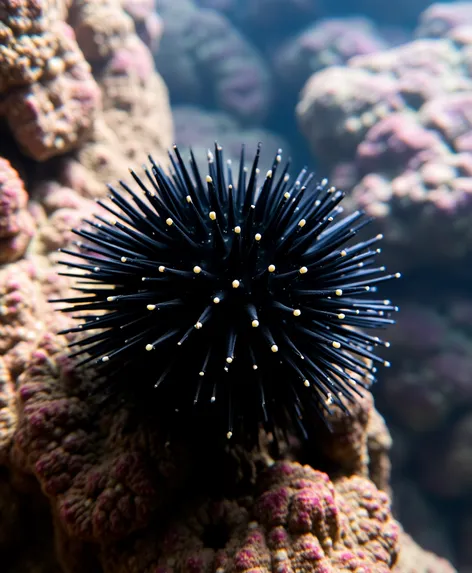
x,y
169,222
302,223
274,348
197,270
338,292
271,268
149,347
151,306
258,236
162,268
235,284
237,230
303,270
336,344
255,323
297,312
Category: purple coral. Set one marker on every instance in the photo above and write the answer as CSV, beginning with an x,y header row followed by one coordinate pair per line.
x,y
204,59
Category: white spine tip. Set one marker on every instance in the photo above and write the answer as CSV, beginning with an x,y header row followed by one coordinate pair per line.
x,y
229,435
212,399
387,344
169,222
343,253
151,307
274,348
255,323
229,359
105,359
297,312
302,223
197,270
188,199
397,275
216,300
237,230
306,383
338,292
123,259
303,270
254,367
235,284
198,325
110,298
271,268
162,268
269,174
336,344
212,215
96,269
379,236
258,236
149,347
201,373
387,364
209,179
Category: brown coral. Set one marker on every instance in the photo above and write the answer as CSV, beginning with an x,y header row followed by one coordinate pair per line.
x,y
49,95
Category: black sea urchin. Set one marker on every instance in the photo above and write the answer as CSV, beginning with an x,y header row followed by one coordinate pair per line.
x,y
238,298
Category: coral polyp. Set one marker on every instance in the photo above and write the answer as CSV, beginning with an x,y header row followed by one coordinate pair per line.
x,y
236,295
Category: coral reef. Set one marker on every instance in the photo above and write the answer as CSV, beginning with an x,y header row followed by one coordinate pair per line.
x,y
88,482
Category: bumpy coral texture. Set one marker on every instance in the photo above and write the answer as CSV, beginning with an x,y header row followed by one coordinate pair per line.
x,y
404,115
16,223
299,520
49,93
103,480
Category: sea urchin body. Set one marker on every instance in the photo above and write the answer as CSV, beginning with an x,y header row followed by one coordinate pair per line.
x,y
231,295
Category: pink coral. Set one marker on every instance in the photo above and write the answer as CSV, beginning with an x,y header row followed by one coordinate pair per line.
x,y
298,520
16,224
49,93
